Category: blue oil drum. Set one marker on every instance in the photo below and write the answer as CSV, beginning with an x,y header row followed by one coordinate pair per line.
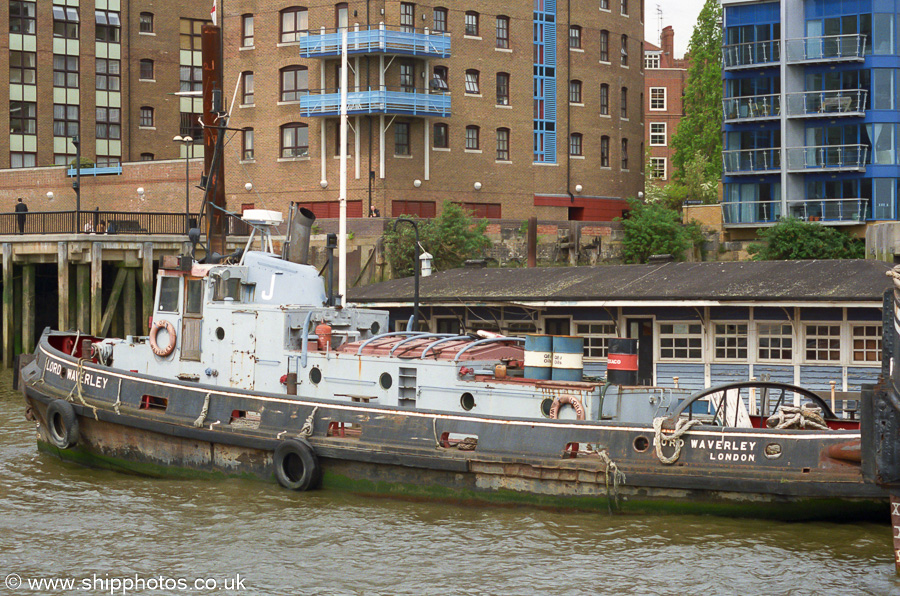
x,y
538,356
568,358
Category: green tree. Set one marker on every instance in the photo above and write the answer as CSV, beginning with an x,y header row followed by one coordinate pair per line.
x,y
452,237
700,130
792,239
652,229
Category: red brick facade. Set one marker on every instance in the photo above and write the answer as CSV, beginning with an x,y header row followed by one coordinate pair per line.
x,y
663,90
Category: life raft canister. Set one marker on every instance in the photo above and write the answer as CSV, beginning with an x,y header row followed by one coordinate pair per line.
x,y
573,401
172,337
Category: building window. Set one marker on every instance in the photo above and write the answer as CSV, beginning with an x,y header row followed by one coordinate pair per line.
x,y
247,31
108,75
604,152
65,22
472,77
731,341
624,50
502,144
866,343
19,159
604,99
23,68
472,133
575,144
109,123
472,23
401,138
680,341
147,157
823,343
294,24
657,134
191,78
407,17
294,140
65,71
294,83
624,154
604,46
775,341
22,117
503,32
651,60
247,144
146,117
502,88
575,37
658,168
440,78
146,69
658,98
440,20
145,25
604,4
65,120
624,7
108,26
341,16
189,126
575,91
624,103
407,77
596,338
22,17
247,97
441,136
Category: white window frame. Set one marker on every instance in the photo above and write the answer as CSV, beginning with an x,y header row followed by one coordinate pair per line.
x,y
655,134
734,337
657,172
651,60
660,107
777,336
690,335
809,326
872,343
596,336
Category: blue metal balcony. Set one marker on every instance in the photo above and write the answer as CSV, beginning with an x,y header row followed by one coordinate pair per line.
x,y
745,162
751,55
750,213
376,101
827,158
377,40
95,171
826,48
751,108
831,211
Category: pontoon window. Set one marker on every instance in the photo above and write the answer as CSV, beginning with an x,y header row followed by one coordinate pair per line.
x,y
168,294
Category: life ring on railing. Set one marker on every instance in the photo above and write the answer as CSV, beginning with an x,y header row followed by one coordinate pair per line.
x,y
62,425
567,399
153,332
296,465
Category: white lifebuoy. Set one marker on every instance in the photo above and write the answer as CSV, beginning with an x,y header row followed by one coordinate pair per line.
x,y
155,346
567,399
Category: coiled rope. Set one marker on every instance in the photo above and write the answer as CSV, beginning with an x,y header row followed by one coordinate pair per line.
x,y
804,416
618,478
203,411
306,430
673,439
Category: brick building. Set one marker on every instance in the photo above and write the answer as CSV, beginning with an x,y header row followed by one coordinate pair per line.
x,y
664,80
513,109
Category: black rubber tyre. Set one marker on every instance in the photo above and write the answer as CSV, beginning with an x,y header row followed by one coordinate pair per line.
x,y
296,465
62,424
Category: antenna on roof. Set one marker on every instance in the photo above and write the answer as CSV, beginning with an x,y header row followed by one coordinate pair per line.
x,y
659,23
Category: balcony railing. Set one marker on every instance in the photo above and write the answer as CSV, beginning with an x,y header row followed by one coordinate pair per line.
x,y
96,171
94,222
827,48
827,104
412,102
827,157
752,161
752,213
751,107
377,40
752,54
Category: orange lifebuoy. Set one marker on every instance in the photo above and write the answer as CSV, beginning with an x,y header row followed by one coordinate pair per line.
x,y
567,399
155,346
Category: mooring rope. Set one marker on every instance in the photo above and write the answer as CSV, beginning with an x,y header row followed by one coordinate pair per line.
x,y
118,397
306,430
804,416
671,439
618,479
203,411
78,378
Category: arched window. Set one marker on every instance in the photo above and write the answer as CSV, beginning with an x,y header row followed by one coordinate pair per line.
x,y
294,82
247,31
502,88
604,152
575,146
624,103
472,137
604,46
146,23
294,24
146,117
604,99
624,50
147,157
247,94
502,144
294,140
441,136
146,69
472,23
341,15
503,32
575,37
472,86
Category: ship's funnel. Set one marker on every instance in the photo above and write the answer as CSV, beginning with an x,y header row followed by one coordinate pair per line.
x,y
298,234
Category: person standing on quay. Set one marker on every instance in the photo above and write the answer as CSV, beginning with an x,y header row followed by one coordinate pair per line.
x,y
21,210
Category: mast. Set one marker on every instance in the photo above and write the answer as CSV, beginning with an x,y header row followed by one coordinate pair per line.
x,y
213,137
342,194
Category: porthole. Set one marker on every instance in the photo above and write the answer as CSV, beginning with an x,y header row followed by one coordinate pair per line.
x,y
375,328
385,381
641,444
546,404
467,401
315,375
773,451
220,333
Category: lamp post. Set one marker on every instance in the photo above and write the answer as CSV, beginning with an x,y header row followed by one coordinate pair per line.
x,y
188,142
415,321
77,184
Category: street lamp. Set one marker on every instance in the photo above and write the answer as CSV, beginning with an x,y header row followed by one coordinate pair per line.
x,y
188,142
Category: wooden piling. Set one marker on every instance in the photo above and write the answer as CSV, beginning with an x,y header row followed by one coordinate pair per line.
x,y
147,285
28,302
96,288
62,274
7,305
129,313
83,300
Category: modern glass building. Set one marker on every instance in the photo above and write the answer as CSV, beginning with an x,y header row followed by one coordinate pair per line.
x,y
811,111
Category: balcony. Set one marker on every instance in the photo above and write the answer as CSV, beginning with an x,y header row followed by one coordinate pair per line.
x,y
96,171
827,104
846,211
827,158
743,162
751,107
751,55
389,101
377,40
750,213
827,48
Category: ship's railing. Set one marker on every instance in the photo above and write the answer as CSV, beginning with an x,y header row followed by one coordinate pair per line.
x,y
97,222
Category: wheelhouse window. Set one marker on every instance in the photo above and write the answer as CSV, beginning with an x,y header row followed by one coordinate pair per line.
x,y
294,140
168,294
866,343
680,341
294,24
503,32
441,136
294,83
502,144
247,39
823,343
472,23
472,138
66,23
502,88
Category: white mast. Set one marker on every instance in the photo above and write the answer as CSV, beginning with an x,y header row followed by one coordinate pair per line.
x,y
342,196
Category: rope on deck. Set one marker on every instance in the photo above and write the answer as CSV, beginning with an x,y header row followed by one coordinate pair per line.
x,y
671,439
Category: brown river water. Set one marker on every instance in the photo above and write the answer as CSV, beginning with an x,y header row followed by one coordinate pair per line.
x,y
110,533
